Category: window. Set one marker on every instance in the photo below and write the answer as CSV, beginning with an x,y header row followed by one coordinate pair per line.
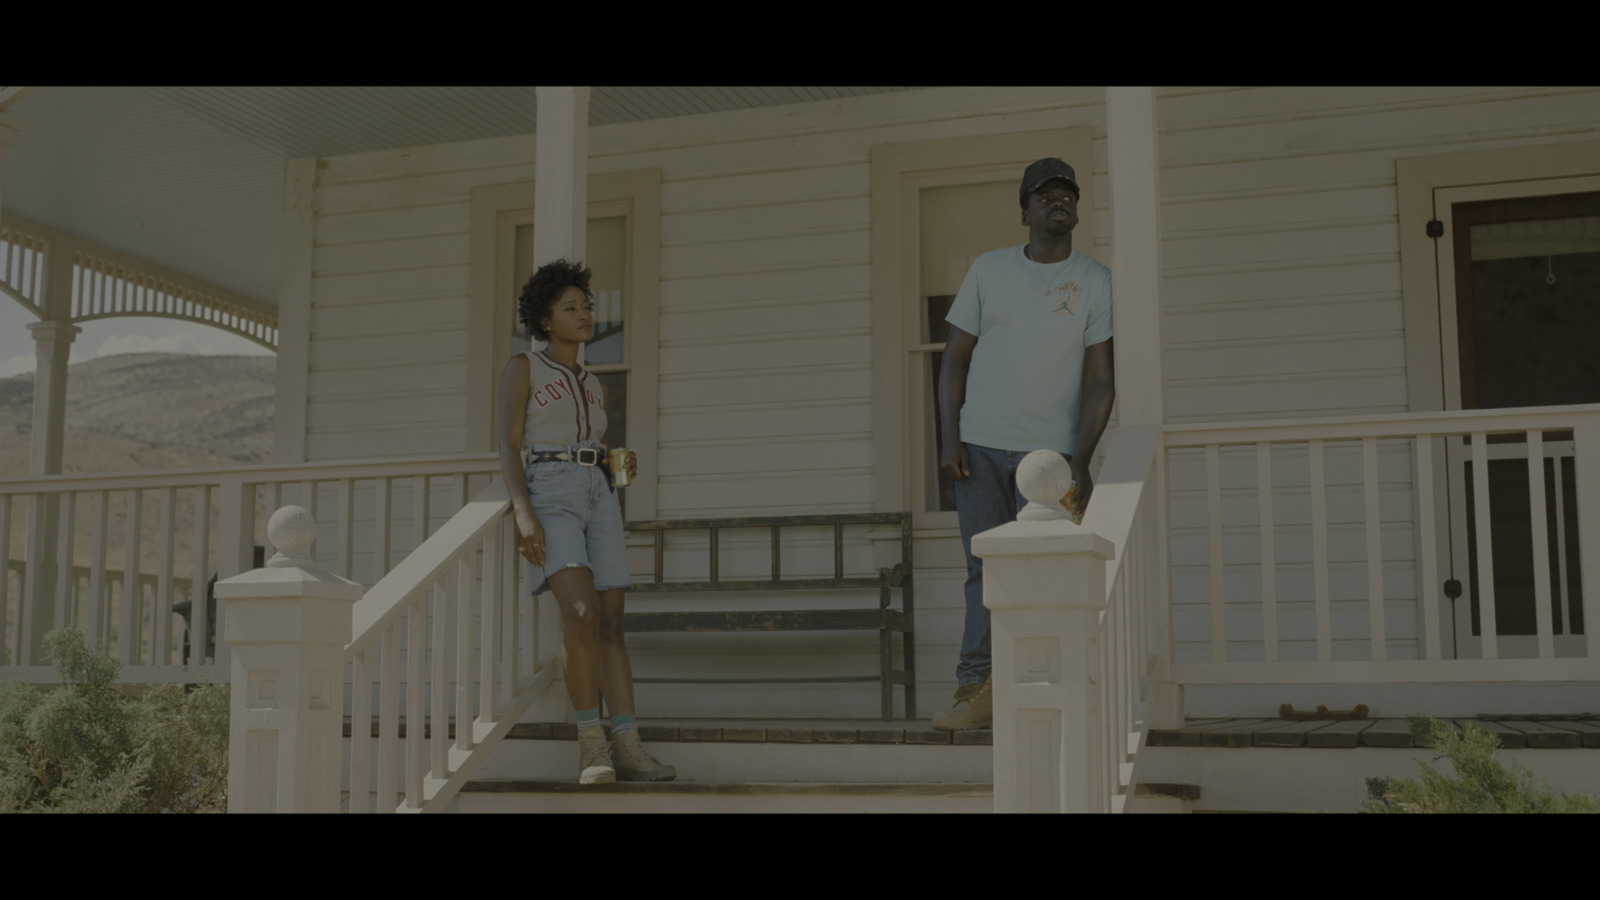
x,y
936,206
955,224
622,249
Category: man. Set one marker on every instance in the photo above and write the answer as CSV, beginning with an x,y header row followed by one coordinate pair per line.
x,y
1028,366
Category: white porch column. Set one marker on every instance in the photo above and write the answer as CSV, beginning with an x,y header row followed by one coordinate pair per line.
x,y
1136,246
8,133
1044,583
1136,318
287,625
561,174
560,229
52,349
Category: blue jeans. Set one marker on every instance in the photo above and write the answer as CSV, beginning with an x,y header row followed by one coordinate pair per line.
x,y
985,499
582,521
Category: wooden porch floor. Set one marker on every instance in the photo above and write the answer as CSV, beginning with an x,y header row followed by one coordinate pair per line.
x,y
1515,732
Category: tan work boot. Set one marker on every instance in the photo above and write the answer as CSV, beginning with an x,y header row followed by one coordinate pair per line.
x,y
974,708
594,758
633,764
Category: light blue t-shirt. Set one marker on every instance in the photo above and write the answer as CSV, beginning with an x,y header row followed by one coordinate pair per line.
x,y
1033,322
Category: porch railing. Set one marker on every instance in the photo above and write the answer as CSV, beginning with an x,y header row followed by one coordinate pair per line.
x,y
441,658
1334,550
69,540
1079,635
443,662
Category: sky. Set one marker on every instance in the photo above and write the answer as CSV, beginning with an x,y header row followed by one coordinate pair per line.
x,y
109,337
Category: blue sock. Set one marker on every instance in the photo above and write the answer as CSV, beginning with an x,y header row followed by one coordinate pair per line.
x,y
587,718
622,723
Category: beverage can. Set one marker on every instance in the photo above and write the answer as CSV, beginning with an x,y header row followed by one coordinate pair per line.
x,y
617,459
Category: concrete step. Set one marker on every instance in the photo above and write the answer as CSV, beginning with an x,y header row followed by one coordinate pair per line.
x,y
1244,766
564,796
831,751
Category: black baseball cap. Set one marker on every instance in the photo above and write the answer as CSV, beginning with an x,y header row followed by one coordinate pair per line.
x,y
1042,171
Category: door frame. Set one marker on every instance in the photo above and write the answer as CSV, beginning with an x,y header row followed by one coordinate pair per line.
x,y
1426,188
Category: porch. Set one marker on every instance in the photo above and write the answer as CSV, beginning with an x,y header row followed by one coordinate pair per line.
x,y
1161,592
1261,213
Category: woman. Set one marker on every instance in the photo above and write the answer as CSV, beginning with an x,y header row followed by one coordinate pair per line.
x,y
569,526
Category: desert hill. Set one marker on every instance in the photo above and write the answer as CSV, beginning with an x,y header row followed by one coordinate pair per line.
x,y
144,411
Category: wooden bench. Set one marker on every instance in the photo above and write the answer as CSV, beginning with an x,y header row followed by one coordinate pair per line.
x,y
773,617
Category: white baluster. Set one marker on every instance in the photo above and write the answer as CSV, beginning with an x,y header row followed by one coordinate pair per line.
x,y
1540,536
380,528
128,612
161,609
416,692
64,580
389,719
200,578
1481,518
95,605
439,672
1429,529
347,517
1269,555
1219,626
1369,481
360,730
1319,553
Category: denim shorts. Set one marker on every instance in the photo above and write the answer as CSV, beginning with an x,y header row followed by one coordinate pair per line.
x,y
581,519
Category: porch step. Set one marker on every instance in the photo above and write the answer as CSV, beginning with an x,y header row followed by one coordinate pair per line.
x,y
750,765
741,751
1283,765
564,796
1515,732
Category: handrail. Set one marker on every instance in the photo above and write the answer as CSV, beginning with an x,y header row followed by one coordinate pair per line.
x,y
472,643
385,601
390,467
1386,425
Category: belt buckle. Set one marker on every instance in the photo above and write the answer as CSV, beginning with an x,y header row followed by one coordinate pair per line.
x,y
588,456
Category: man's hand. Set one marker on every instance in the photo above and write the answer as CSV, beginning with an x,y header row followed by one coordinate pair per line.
x,y
1080,496
953,461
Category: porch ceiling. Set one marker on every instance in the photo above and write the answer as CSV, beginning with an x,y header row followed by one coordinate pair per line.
x,y
191,178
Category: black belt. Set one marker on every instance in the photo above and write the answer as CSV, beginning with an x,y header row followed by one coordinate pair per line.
x,y
583,456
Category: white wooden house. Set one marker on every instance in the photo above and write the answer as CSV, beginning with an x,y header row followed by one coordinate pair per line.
x,y
1346,319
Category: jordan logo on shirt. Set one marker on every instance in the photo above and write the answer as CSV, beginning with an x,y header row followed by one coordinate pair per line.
x,y
1066,296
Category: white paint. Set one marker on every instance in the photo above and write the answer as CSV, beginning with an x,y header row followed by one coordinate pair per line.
x,y
287,626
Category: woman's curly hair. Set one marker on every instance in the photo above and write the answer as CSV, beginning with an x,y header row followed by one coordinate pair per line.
x,y
542,290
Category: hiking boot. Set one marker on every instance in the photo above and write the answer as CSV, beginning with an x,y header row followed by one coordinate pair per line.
x,y
594,758
633,764
974,708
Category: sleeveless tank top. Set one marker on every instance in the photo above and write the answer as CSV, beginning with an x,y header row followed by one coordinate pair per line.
x,y
564,407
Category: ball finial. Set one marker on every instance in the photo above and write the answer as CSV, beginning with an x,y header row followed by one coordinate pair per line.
x,y
1045,478
292,530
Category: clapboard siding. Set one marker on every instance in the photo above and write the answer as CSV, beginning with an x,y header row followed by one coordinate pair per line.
x,y
765,335
1282,298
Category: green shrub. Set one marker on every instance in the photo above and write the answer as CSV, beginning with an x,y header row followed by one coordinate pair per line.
x,y
88,747
1481,783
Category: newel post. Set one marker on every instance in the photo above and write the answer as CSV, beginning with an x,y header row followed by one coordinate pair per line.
x,y
1044,582
288,624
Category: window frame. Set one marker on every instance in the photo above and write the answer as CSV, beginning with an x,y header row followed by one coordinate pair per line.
x,y
497,211
899,172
